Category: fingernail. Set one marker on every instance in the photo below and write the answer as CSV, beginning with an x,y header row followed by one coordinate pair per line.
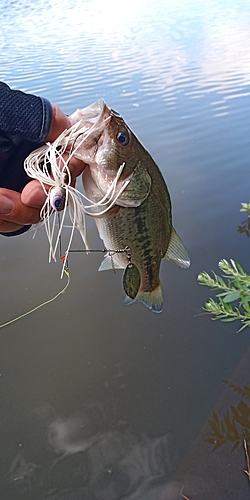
x,y
7,206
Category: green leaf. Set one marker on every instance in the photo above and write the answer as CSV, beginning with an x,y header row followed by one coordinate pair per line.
x,y
244,326
231,297
238,266
245,207
245,304
235,288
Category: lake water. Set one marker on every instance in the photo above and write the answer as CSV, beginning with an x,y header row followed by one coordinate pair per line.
x,y
101,401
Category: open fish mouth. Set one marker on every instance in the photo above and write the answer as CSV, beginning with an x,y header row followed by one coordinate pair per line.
x,y
121,176
49,164
91,122
91,114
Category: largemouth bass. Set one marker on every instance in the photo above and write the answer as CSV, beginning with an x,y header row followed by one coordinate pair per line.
x,y
138,223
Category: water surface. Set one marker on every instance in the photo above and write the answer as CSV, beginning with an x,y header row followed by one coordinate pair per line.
x,y
101,401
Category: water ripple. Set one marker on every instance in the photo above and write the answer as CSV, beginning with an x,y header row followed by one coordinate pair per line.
x,y
79,48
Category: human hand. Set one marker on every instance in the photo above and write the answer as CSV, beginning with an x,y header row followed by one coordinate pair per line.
x,y
20,209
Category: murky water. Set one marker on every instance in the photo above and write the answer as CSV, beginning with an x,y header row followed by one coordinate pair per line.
x,y
101,401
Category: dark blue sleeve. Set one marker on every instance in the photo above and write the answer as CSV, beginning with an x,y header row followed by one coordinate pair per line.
x,y
25,121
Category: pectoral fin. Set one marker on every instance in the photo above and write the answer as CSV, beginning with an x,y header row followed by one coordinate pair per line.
x,y
137,190
176,251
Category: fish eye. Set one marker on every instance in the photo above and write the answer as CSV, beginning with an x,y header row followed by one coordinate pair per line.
x,y
123,137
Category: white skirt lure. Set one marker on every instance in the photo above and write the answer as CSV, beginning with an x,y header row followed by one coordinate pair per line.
x,y
48,165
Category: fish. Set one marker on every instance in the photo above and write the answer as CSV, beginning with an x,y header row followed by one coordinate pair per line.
x,y
140,217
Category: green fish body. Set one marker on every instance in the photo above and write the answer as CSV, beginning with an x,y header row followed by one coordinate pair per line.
x,y
140,218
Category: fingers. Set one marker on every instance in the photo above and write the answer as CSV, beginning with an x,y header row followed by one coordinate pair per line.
x,y
9,227
18,210
33,195
75,165
59,123
14,213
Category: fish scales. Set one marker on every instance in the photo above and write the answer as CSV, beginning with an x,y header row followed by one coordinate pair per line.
x,y
133,228
138,213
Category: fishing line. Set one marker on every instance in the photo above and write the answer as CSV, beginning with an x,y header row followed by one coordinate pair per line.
x,y
43,304
64,259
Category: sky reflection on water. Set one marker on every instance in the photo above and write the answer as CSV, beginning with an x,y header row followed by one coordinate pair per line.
x,y
186,48
86,377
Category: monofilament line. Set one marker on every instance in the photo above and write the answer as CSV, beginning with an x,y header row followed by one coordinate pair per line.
x,y
40,305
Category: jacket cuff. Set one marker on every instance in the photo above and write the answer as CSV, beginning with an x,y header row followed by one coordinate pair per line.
x,y
47,119
22,230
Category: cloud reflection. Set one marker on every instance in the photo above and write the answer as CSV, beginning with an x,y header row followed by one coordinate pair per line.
x,y
164,51
105,462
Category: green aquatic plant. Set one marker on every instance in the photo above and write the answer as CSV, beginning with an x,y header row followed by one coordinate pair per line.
x,y
245,208
234,288
232,303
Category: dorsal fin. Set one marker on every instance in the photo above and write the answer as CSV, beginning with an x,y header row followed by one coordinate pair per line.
x,y
176,251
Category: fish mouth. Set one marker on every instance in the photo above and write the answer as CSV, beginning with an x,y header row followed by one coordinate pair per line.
x,y
91,115
92,120
94,136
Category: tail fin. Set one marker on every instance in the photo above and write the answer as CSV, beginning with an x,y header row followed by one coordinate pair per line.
x,y
153,300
